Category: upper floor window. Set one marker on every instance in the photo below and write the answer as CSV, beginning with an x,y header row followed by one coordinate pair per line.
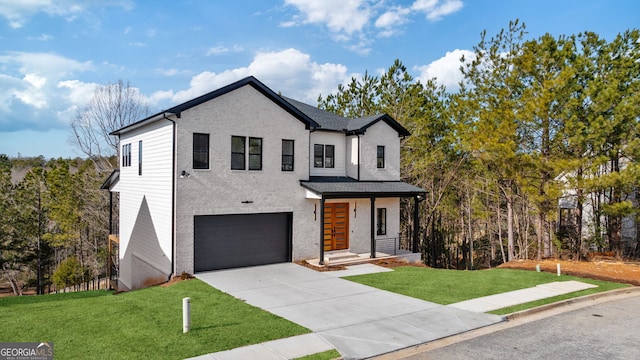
x,y
323,156
140,157
380,157
126,155
239,152
382,222
287,155
200,151
255,153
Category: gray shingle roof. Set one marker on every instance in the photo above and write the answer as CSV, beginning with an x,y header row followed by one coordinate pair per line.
x,y
311,116
333,122
348,187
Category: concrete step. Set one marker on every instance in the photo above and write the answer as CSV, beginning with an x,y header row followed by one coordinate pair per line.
x,y
342,256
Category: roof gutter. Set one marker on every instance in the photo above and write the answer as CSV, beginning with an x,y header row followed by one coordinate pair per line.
x,y
173,195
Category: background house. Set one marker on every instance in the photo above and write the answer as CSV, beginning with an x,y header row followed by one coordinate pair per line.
x,y
242,176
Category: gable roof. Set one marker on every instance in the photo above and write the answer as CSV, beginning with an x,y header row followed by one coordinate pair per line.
x,y
250,80
333,122
311,116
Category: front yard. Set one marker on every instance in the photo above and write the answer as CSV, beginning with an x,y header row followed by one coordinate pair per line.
x,y
148,323
139,324
451,286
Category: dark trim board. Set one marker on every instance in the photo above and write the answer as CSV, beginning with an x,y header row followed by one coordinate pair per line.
x,y
240,240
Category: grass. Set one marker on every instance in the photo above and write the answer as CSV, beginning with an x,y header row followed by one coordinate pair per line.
x,y
143,324
450,286
326,355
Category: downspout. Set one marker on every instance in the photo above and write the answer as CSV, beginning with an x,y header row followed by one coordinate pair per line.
x,y
358,156
173,197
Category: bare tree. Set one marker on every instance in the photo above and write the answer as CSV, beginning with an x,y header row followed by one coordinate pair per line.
x,y
113,106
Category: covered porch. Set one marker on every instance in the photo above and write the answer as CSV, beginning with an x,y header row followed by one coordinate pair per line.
x,y
329,191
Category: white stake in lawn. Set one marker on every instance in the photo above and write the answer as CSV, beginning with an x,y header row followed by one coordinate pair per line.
x,y
186,315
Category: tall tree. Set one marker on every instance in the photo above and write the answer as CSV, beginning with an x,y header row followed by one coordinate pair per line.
x,y
490,95
113,106
545,69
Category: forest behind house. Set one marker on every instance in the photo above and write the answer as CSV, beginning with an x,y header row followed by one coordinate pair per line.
x,y
537,131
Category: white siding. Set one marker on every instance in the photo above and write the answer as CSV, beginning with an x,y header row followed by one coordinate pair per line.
x,y
329,138
353,145
145,201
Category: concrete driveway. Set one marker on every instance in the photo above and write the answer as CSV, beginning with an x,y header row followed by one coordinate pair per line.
x,y
360,321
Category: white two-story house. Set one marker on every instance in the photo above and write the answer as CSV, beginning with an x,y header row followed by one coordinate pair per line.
x,y
242,176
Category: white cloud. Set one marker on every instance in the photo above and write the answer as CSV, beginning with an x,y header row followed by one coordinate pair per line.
x,y
446,70
80,93
362,20
220,49
340,16
36,88
217,50
43,37
289,71
168,72
436,9
393,17
17,12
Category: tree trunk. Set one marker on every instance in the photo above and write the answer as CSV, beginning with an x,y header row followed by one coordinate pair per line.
x,y
500,232
510,240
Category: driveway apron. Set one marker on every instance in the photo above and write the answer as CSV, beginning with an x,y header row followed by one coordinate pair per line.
x,y
359,320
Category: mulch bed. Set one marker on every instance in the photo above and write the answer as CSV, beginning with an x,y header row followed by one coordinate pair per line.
x,y
609,270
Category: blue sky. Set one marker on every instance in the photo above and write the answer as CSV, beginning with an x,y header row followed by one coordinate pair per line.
x,y
54,53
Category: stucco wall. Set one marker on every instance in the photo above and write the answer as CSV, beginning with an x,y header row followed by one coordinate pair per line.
x,y
220,190
380,134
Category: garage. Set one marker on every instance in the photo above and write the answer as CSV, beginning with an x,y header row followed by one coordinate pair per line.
x,y
231,241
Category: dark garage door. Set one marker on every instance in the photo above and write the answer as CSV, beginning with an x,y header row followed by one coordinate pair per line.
x,y
230,241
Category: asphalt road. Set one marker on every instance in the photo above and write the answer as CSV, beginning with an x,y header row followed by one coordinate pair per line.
x,y
609,330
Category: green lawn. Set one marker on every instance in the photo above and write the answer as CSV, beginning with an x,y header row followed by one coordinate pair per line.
x,y
143,324
451,286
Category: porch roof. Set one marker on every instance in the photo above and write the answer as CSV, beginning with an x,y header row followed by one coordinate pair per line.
x,y
346,187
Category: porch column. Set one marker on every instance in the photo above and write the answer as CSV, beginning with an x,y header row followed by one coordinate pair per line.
x,y
321,262
110,212
416,224
373,227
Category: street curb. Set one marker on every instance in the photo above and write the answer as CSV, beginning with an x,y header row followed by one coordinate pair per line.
x,y
577,300
512,320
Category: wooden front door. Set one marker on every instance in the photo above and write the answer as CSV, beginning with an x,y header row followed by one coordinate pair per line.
x,y
336,226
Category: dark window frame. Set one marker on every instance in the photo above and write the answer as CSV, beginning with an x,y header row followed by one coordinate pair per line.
x,y
381,221
288,160
126,155
139,157
329,161
318,155
324,156
236,164
380,161
201,155
253,154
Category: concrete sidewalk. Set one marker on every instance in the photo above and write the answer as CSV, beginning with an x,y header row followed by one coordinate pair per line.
x,y
517,297
357,320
